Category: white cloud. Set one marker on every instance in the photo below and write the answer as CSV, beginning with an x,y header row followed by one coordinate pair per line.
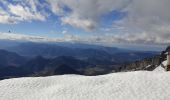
x,y
24,37
5,17
147,15
22,11
79,23
143,38
85,14
56,6
64,32
147,21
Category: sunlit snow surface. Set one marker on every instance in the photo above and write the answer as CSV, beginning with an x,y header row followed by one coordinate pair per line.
x,y
139,85
160,68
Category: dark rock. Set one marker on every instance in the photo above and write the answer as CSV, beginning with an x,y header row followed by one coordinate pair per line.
x,y
168,49
142,64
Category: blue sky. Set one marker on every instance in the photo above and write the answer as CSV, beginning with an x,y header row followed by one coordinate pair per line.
x,y
54,25
89,21
50,27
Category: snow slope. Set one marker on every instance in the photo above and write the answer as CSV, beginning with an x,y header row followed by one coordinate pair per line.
x,y
138,85
160,68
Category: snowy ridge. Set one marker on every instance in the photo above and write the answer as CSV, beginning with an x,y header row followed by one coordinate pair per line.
x,y
160,68
139,85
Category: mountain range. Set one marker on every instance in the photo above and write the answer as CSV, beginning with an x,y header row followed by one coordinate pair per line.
x,y
42,59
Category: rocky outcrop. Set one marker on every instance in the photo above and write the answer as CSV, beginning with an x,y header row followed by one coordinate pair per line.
x,y
145,64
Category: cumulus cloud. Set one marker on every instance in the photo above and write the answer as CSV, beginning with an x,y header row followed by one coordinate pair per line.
x,y
85,14
148,13
24,13
146,21
79,23
150,17
20,11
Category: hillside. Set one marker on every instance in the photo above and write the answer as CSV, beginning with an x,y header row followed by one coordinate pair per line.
x,y
148,64
10,59
45,59
137,85
92,53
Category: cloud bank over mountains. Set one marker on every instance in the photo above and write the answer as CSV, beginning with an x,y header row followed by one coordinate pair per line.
x,y
145,21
